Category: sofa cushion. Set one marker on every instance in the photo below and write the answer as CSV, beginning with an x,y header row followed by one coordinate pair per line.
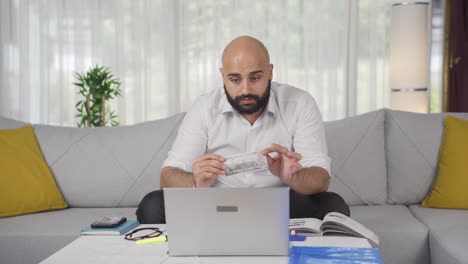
x,y
107,166
7,123
448,231
449,189
356,148
32,238
412,148
403,239
27,186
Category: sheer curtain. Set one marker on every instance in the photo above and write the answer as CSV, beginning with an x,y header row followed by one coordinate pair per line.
x,y
167,52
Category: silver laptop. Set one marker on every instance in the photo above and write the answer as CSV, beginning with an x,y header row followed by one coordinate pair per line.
x,y
227,221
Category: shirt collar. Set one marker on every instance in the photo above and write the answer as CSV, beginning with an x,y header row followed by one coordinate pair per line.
x,y
224,103
227,107
272,107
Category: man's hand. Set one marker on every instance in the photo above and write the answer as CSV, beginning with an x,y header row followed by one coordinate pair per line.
x,y
284,164
207,168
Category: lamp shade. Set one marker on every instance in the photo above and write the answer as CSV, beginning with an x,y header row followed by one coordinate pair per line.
x,y
409,56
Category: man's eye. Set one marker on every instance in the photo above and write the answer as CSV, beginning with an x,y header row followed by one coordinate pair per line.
x,y
234,80
255,78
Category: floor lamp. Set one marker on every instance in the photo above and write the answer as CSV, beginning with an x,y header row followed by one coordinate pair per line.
x,y
409,56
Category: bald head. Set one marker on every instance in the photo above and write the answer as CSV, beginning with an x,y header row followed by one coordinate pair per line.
x,y
245,50
247,75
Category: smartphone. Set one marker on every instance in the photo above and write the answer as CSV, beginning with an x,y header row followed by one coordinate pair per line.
x,y
109,222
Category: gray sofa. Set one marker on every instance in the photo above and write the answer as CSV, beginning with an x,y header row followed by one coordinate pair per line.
x,y
383,164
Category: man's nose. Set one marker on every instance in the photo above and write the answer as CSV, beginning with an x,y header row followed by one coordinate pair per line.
x,y
245,87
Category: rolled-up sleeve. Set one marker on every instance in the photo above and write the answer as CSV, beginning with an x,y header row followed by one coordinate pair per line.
x,y
191,140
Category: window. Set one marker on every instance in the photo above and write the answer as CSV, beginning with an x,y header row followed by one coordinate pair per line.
x,y
168,52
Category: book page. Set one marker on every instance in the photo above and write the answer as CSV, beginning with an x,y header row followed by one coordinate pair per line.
x,y
305,226
336,223
333,242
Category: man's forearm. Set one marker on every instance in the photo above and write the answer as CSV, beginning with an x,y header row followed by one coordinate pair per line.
x,y
310,180
174,177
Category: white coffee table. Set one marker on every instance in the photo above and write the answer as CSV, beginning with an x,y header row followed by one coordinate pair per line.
x,y
115,249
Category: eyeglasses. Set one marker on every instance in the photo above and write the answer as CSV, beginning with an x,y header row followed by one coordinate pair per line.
x,y
134,236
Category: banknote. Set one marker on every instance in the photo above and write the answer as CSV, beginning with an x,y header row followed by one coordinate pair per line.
x,y
245,162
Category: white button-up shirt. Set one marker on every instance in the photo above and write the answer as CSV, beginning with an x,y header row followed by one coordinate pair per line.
x,y
291,119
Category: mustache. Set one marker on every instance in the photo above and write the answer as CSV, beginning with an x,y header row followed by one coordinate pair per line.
x,y
248,96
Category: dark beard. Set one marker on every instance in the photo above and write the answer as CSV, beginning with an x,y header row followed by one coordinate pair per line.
x,y
260,101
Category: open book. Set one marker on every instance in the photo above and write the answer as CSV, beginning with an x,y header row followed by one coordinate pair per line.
x,y
333,224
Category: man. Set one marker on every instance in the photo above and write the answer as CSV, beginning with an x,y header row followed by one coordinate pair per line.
x,y
251,114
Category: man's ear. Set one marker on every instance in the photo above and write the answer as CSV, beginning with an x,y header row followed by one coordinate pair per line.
x,y
222,72
271,71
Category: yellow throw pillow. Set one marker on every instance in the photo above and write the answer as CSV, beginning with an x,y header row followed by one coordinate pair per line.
x,y
450,189
26,184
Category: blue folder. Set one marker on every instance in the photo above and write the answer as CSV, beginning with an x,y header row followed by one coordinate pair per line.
x,y
334,255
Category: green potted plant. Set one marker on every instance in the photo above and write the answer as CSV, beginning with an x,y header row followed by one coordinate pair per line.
x,y
97,87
